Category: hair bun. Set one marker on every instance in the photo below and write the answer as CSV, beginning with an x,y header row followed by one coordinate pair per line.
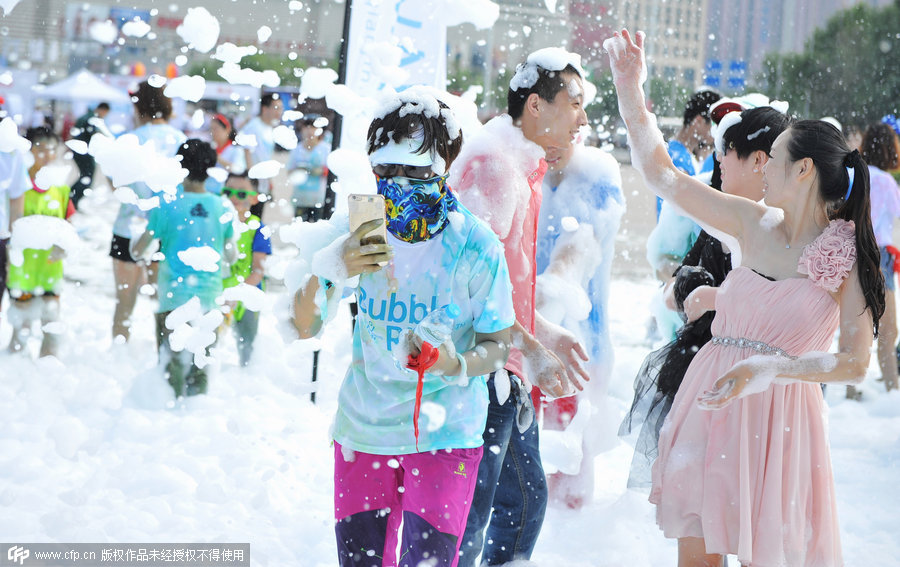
x,y
852,159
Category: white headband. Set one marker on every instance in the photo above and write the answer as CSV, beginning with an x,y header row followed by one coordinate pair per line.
x,y
403,153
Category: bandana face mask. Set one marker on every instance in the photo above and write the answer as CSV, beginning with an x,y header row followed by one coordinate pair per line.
x,y
416,209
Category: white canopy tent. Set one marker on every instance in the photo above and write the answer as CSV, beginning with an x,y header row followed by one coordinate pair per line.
x,y
82,86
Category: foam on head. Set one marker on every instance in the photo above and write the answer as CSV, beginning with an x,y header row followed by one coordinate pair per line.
x,y
549,59
727,112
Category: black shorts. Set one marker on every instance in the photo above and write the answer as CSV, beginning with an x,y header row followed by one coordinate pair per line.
x,y
120,249
22,296
3,261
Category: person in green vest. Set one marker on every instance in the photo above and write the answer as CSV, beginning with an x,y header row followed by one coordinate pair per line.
x,y
253,246
35,283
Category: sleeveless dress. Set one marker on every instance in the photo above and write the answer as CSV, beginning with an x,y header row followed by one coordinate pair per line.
x,y
754,478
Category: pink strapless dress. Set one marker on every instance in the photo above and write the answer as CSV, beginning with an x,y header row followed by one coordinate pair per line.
x,y
754,479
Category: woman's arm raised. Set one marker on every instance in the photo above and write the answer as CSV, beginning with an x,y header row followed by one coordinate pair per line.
x,y
709,207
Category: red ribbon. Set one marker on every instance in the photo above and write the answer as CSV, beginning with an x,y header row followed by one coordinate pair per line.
x,y
420,363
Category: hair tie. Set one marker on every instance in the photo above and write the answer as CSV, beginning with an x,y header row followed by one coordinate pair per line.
x,y
851,160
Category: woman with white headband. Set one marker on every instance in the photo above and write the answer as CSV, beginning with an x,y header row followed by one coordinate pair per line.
x,y
409,423
744,465
743,139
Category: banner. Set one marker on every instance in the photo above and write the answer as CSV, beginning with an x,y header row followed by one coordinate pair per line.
x,y
392,44
396,43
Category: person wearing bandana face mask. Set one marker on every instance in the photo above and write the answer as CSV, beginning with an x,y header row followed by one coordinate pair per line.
x,y
418,203
437,255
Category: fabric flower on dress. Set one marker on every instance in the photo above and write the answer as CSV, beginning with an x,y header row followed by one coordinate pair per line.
x,y
828,259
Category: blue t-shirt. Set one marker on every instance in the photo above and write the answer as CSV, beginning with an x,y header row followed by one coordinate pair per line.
x,y
683,160
192,230
682,157
261,242
311,191
708,164
464,265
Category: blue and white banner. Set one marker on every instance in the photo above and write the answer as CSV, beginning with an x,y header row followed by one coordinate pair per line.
x,y
396,43
393,44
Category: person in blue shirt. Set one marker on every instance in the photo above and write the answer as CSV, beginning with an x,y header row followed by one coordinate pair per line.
x,y
195,234
674,234
693,141
152,111
308,169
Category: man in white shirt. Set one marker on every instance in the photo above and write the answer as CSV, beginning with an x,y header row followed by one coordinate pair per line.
x,y
14,182
261,129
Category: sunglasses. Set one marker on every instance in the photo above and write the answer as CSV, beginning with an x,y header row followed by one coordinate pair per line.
x,y
418,172
240,194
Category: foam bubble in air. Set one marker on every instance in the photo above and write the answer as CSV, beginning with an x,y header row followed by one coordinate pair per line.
x,y
200,29
136,28
188,87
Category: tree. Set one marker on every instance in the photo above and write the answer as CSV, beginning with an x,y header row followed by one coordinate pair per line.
x,y
282,65
850,69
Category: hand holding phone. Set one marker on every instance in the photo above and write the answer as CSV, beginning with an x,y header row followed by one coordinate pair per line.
x,y
365,208
366,250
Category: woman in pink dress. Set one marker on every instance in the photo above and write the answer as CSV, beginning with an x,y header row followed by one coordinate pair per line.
x,y
744,465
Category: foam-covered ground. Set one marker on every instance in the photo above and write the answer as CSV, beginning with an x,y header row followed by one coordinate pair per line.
x,y
94,449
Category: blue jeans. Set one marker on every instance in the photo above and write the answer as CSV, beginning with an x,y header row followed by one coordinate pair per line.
x,y
512,482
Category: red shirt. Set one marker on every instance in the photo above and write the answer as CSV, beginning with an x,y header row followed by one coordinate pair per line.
x,y
502,186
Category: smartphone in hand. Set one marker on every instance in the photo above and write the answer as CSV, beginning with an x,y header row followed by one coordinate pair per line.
x,y
364,208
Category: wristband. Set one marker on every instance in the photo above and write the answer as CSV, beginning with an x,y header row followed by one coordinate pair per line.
x,y
462,378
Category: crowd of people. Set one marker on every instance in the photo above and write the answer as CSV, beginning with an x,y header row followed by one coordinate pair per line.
x,y
487,296
35,283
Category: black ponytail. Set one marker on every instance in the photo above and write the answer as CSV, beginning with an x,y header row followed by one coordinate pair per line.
x,y
846,197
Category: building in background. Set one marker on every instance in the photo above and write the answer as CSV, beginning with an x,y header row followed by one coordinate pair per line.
x,y
694,42
677,29
677,52
743,32
54,36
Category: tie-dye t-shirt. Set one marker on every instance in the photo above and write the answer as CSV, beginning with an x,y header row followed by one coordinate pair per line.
x,y
464,265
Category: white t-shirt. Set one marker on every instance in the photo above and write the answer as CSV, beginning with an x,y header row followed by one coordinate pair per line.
x,y
14,181
464,265
235,156
265,146
167,140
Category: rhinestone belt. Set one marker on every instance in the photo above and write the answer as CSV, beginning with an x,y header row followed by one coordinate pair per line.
x,y
758,346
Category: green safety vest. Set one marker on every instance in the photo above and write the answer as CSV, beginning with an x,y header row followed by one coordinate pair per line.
x,y
37,274
243,266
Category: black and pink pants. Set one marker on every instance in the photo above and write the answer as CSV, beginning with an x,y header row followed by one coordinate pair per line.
x,y
400,510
